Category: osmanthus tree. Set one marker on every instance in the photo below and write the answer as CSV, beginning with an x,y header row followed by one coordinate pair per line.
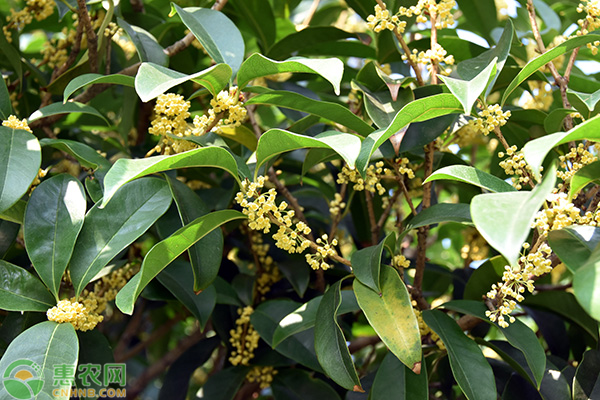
x,y
301,199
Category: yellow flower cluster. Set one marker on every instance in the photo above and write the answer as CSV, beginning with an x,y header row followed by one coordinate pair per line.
x,y
400,262
382,21
14,123
324,250
574,160
106,288
561,213
55,51
590,22
244,338
402,167
424,329
74,313
38,9
490,118
336,205
468,135
475,247
269,273
370,183
112,29
435,56
516,165
261,375
540,97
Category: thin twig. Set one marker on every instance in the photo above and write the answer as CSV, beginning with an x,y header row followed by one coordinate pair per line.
x,y
372,221
92,39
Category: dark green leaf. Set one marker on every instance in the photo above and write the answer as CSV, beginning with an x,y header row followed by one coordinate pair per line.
x,y
586,385
6,109
15,213
481,14
90,79
366,263
85,155
258,14
474,176
574,244
484,277
395,380
381,106
296,384
586,287
224,384
442,212
588,174
146,45
93,349
21,291
313,35
66,108
554,120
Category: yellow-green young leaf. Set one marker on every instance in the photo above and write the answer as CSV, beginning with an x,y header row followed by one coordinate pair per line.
x,y
536,150
366,263
575,244
20,159
331,111
467,91
21,291
125,170
153,80
240,134
165,251
330,344
538,62
474,176
416,111
15,213
39,350
257,66
470,368
504,219
67,108
390,313
276,141
395,380
90,79
54,217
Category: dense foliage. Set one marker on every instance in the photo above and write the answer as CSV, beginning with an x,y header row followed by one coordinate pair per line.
x,y
298,199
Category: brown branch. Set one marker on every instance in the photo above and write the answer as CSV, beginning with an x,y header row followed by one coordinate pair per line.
x,y
131,328
92,39
540,43
388,210
372,221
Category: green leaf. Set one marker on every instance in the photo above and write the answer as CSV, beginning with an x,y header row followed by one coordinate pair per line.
x,y
85,155
586,385
15,213
6,108
146,45
469,367
330,344
276,141
178,278
442,212
484,277
588,174
94,348
554,120
504,219
54,217
66,108
395,380
416,111
381,106
590,100
20,159
467,91
13,56
224,384
257,66
152,80
474,176
306,38
125,170
258,14
366,263
218,35
39,350
91,79
106,231
296,384
21,291
305,316
535,151
205,256
331,111
165,251
586,287
574,244
480,14
538,62
517,333
391,314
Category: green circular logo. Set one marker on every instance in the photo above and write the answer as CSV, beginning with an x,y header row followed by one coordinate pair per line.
x,y
23,379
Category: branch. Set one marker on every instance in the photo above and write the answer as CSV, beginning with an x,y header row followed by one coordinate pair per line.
x,y
372,221
92,39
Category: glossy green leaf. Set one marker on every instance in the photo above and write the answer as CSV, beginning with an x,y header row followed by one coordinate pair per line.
x,y
331,111
21,291
586,287
366,263
305,316
588,174
299,347
146,45
474,176
504,219
469,367
94,348
296,384
467,91
554,120
538,62
106,231
12,56
166,251
38,351
481,14
590,100
381,107
574,244
224,384
217,34
306,38
517,333
416,111
20,159
205,256
535,151
91,79
15,213
6,108
66,108
586,385
487,274
257,66
152,80
125,170
85,155
330,344
54,217
442,212
258,14
390,313
277,141
178,278
395,380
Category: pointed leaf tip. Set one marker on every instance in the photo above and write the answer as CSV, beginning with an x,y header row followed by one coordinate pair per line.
x,y
417,368
357,388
